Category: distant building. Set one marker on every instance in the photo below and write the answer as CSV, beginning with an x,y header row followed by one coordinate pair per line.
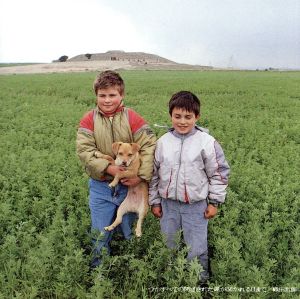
x,y
139,57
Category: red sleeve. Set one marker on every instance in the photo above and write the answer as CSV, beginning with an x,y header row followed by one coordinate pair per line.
x,y
135,121
87,122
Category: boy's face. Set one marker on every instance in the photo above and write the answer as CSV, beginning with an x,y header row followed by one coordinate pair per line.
x,y
183,121
109,99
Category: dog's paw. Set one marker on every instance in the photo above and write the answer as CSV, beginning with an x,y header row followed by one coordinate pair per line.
x,y
111,185
138,233
108,228
97,154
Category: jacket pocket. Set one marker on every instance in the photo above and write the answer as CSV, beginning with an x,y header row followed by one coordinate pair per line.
x,y
196,183
169,183
165,183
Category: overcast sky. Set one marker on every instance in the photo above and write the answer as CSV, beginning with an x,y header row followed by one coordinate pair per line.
x,y
221,33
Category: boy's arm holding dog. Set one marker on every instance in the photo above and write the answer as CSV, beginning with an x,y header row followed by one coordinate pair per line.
x,y
112,169
86,148
145,137
147,142
95,163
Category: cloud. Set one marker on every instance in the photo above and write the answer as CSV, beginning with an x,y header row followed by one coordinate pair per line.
x,y
208,32
43,30
211,32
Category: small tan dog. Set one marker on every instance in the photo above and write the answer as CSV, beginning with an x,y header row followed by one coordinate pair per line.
x,y
127,155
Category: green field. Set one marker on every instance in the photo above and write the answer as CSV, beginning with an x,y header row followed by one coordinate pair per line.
x,y
44,216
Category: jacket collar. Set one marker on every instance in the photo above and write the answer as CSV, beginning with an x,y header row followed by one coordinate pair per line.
x,y
120,108
192,132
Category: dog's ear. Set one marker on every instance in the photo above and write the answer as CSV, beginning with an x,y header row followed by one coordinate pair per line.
x,y
115,147
135,147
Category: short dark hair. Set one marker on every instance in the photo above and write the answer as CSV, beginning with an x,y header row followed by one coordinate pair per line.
x,y
185,100
108,79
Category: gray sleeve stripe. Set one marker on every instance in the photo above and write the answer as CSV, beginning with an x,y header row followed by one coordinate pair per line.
x,y
144,127
87,131
223,167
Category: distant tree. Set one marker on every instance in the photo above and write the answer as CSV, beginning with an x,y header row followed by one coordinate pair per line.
x,y
63,58
88,56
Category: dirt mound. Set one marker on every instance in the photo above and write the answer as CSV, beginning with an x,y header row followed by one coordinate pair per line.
x,y
113,60
118,55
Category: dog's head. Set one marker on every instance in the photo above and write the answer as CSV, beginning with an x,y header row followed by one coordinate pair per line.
x,y
125,152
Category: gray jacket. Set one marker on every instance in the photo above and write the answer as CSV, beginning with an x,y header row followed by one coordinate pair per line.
x,y
189,168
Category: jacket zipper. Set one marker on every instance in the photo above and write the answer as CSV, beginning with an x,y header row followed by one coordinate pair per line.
x,y
111,120
182,140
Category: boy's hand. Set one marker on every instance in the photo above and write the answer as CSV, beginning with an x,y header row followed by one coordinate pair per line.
x,y
156,211
131,182
114,169
210,212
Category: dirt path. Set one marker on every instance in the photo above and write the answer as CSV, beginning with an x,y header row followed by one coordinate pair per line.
x,y
92,66
63,67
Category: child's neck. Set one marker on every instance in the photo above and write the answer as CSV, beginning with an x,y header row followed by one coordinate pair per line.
x,y
111,114
179,135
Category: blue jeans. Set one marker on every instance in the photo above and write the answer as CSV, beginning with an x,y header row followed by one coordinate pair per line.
x,y
104,202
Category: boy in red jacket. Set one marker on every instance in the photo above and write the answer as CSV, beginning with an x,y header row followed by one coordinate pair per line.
x,y
110,122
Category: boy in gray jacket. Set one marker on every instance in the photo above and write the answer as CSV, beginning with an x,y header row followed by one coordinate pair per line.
x,y
189,179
